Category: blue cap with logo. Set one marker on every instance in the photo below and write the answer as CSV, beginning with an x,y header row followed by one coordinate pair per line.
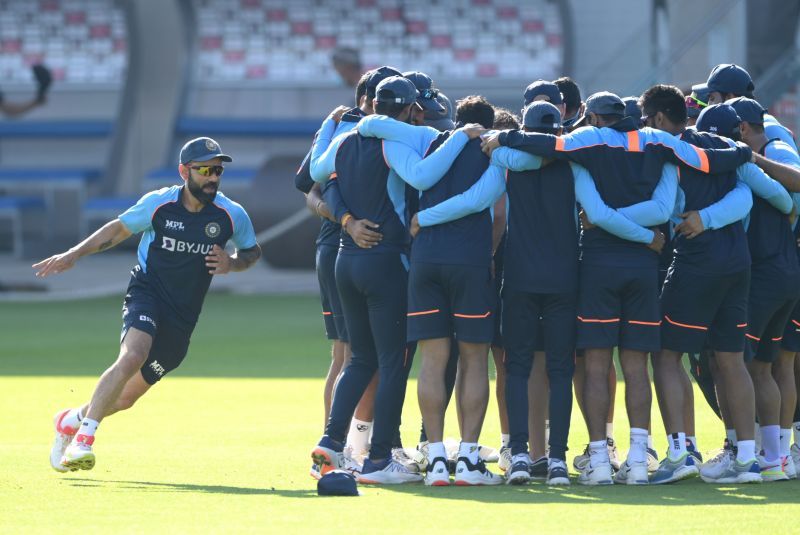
x,y
748,109
545,88
337,483
541,114
427,93
377,76
720,119
441,120
202,149
397,90
730,78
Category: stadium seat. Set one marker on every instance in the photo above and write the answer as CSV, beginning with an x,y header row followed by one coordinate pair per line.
x,y
103,209
26,217
233,179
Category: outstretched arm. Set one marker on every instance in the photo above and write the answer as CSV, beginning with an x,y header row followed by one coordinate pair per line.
x,y
515,160
104,238
764,187
660,207
483,194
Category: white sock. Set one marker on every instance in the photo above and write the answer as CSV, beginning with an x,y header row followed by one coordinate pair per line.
x,y
546,432
786,439
693,440
730,434
796,432
677,445
436,449
358,436
771,441
650,442
610,430
72,419
505,439
88,427
598,452
469,450
638,451
747,450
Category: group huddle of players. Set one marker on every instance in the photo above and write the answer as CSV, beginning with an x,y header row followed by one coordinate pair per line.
x,y
660,225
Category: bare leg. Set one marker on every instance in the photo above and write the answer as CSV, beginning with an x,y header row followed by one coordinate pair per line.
x,y
579,380
337,364
498,353
783,372
538,405
612,392
472,388
767,394
722,396
131,392
430,385
688,403
740,396
669,389
133,353
638,396
366,407
595,391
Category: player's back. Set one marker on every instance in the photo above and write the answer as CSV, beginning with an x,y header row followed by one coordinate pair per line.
x,y
362,176
720,251
464,241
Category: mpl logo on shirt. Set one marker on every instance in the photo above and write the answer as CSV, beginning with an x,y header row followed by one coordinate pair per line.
x,y
179,246
173,225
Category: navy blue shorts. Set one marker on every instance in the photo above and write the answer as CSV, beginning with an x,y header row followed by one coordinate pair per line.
x,y
770,308
697,308
791,334
335,328
142,310
618,307
445,299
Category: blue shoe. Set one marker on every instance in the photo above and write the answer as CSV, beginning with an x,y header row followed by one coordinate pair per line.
x,y
328,455
671,470
698,459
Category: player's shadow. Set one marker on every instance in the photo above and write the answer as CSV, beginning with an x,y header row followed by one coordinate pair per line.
x,y
155,486
693,492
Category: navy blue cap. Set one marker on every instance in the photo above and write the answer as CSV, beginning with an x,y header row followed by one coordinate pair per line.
x,y
602,103
720,119
541,114
748,109
427,93
442,120
378,75
202,149
396,89
543,87
730,78
701,92
632,109
697,100
337,483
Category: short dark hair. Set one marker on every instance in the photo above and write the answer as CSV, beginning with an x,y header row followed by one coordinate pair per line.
x,y
475,109
504,119
390,109
361,87
666,99
571,93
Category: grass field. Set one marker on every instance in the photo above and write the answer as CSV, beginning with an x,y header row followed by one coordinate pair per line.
x,y
222,444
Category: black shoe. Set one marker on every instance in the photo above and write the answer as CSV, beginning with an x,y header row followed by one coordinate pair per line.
x,y
538,469
519,473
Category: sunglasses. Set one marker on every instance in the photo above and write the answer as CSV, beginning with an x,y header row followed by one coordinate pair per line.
x,y
208,170
694,102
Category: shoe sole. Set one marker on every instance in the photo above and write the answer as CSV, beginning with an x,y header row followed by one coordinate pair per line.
x,y
84,463
315,475
375,482
596,483
438,483
558,482
682,473
462,483
321,458
518,479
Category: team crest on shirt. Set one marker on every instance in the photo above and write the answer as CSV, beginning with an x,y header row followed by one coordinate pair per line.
x,y
210,145
212,229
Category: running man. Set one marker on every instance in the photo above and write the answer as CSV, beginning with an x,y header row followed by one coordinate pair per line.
x,y
185,229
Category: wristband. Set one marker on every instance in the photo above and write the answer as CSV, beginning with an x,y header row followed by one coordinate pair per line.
x,y
345,219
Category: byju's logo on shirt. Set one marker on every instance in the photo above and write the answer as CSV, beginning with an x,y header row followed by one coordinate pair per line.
x,y
174,225
178,246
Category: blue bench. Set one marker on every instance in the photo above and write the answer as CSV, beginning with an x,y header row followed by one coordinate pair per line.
x,y
19,210
205,126
104,208
84,129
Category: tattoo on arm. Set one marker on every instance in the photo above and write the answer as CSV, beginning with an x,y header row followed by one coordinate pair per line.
x,y
245,258
105,245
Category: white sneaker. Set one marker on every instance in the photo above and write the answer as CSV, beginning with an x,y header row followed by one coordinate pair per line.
x,y
652,460
734,472
79,454
613,457
393,473
420,457
401,456
351,465
488,455
795,454
519,473
632,474
580,462
505,459
64,436
557,473
468,474
789,467
326,457
437,474
597,475
772,471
